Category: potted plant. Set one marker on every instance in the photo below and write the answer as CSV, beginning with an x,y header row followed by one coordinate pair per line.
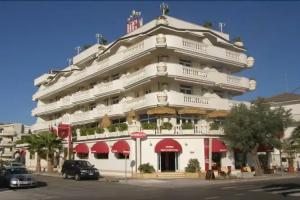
x,y
166,125
99,130
112,128
187,125
208,24
122,127
238,41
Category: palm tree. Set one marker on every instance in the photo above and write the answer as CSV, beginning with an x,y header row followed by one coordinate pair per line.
x,y
45,145
50,143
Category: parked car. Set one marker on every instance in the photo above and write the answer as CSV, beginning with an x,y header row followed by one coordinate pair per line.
x,y
17,177
14,164
79,169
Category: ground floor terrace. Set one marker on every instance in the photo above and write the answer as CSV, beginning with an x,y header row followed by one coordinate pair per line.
x,y
122,156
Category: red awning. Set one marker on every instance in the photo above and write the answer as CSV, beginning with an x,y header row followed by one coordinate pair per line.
x,y
81,148
218,146
168,145
121,146
100,147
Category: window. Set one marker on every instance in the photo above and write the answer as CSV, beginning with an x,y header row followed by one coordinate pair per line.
x,y
115,100
186,89
147,90
83,155
101,155
137,94
187,63
105,102
31,156
121,156
115,76
92,106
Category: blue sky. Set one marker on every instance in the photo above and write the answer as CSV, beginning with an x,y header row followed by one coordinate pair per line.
x,y
37,36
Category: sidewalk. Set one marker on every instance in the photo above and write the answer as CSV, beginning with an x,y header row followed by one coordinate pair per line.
x,y
184,182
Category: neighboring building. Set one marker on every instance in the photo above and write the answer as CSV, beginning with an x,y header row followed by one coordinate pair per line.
x,y
9,134
288,101
169,73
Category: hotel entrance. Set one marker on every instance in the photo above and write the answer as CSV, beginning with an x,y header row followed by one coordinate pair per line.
x,y
168,151
168,161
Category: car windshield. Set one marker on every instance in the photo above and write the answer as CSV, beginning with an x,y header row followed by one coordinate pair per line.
x,y
83,163
18,171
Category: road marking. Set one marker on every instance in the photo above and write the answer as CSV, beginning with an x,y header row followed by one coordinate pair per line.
x,y
286,191
266,189
237,186
294,194
214,197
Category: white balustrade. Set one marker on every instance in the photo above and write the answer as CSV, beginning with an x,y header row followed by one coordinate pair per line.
x,y
196,46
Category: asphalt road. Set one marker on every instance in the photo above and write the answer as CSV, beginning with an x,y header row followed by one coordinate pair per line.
x,y
57,188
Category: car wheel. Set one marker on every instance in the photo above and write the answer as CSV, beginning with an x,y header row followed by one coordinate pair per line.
x,y
65,176
77,177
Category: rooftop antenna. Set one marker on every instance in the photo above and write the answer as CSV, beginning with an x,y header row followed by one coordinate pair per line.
x,y
98,37
222,25
69,61
164,8
78,49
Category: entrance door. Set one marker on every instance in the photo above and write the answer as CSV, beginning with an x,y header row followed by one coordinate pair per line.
x,y
168,161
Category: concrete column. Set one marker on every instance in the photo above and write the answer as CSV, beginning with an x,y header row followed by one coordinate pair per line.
x,y
138,153
210,152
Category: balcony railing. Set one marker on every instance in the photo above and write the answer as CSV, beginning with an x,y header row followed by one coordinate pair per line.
x,y
8,133
173,42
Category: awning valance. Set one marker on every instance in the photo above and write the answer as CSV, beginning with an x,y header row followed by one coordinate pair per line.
x,y
218,146
218,114
168,145
161,111
121,146
100,147
191,111
81,148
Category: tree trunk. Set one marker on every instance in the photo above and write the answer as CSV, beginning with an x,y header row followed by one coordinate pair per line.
x,y
254,157
38,163
49,163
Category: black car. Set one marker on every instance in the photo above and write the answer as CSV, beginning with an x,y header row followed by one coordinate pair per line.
x,y
79,169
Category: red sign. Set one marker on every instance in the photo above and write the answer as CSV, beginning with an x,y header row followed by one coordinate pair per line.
x,y
135,135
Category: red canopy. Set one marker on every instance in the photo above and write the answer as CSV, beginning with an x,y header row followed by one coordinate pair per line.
x,y
218,146
168,145
100,147
81,148
121,146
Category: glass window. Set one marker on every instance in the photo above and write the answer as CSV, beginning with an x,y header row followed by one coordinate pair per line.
x,y
186,89
83,155
240,159
101,155
184,62
121,156
115,76
115,100
147,90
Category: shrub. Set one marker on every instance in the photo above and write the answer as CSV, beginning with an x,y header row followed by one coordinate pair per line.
x,y
100,130
193,166
215,125
150,125
83,132
122,127
166,125
188,125
146,168
112,128
90,131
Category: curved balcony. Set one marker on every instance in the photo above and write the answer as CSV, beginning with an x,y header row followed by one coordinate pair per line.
x,y
174,70
173,99
8,133
140,49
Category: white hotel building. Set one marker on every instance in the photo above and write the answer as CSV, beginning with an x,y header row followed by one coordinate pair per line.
x,y
167,72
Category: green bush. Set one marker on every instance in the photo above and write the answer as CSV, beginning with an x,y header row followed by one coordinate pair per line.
x,y
149,126
122,127
166,125
193,166
83,132
215,125
188,125
90,131
100,130
146,168
112,128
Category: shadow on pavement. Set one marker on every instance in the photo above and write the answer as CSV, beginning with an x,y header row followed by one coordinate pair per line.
x,y
285,188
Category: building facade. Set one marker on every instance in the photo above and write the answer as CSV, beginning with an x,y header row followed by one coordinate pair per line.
x,y
289,101
152,96
9,134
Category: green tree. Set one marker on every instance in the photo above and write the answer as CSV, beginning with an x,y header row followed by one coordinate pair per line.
x,y
44,144
247,128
